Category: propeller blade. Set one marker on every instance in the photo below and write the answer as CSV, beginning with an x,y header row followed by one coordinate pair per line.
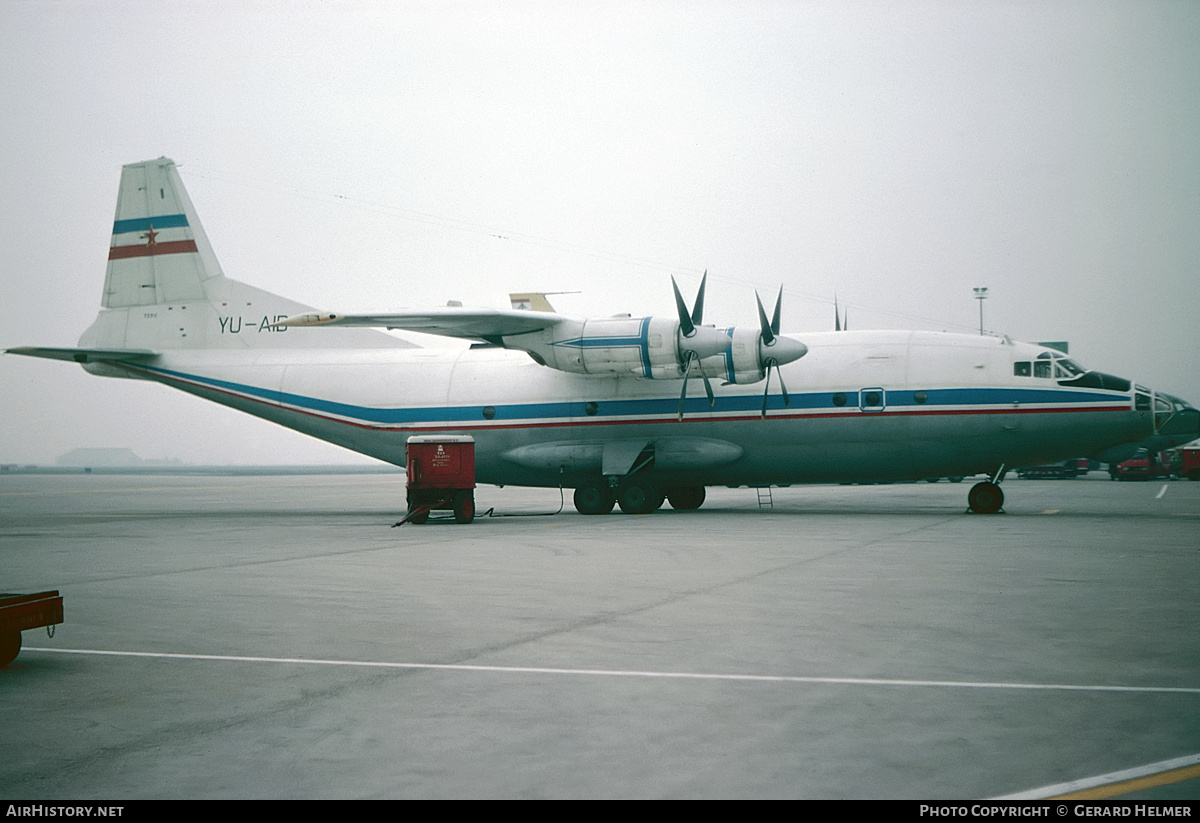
x,y
778,307
767,389
712,400
837,317
683,394
698,307
786,400
686,326
768,336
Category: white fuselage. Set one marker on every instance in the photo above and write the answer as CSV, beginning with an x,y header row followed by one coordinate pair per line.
x,y
863,406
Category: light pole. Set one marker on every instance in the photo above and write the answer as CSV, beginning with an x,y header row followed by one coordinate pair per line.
x,y
981,295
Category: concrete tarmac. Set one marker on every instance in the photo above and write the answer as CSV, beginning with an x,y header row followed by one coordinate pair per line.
x,y
274,637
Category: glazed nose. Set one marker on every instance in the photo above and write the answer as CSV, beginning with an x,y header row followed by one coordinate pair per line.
x,y
1175,417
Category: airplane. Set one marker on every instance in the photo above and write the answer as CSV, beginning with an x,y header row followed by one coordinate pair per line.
x,y
599,405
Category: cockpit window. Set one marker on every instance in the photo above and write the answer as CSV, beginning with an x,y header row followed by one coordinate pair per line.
x,y
1066,368
1048,364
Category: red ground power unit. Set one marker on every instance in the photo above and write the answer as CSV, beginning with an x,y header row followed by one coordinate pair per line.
x,y
19,612
441,475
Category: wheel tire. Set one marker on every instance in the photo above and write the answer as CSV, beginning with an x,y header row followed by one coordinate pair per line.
x,y
686,498
956,479
10,645
985,498
594,498
464,507
636,495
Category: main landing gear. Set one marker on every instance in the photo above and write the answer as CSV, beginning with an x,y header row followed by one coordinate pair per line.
x,y
635,495
986,497
639,495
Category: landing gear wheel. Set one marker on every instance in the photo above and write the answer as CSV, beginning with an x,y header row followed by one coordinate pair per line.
x,y
10,644
985,498
594,498
637,495
686,498
464,507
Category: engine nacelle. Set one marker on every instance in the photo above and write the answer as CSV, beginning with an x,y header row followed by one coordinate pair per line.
x,y
650,347
740,363
745,361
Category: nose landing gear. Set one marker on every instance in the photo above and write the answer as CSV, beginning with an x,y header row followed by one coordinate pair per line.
x,y
986,497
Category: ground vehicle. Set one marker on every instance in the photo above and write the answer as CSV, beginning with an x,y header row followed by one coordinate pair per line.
x,y
441,475
19,612
1189,461
1138,467
1066,470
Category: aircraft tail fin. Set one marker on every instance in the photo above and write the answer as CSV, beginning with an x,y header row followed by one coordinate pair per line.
x,y
164,288
159,252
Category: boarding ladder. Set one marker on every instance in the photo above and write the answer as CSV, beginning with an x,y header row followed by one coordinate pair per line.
x,y
764,497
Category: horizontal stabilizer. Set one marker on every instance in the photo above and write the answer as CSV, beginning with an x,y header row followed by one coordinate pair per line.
x,y
467,324
84,355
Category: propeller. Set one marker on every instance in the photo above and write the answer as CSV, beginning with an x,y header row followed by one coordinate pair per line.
x,y
695,341
838,323
774,350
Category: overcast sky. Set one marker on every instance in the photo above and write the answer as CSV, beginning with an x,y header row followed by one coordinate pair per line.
x,y
356,155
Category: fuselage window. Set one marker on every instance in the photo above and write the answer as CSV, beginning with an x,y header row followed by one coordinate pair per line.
x,y
920,396
1022,368
839,399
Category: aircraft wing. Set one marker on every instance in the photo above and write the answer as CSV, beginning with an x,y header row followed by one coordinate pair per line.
x,y
83,355
469,324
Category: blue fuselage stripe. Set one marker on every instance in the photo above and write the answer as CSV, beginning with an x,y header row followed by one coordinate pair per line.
x,y
958,400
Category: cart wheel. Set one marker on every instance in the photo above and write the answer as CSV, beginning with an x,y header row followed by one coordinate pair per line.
x,y
10,644
464,507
